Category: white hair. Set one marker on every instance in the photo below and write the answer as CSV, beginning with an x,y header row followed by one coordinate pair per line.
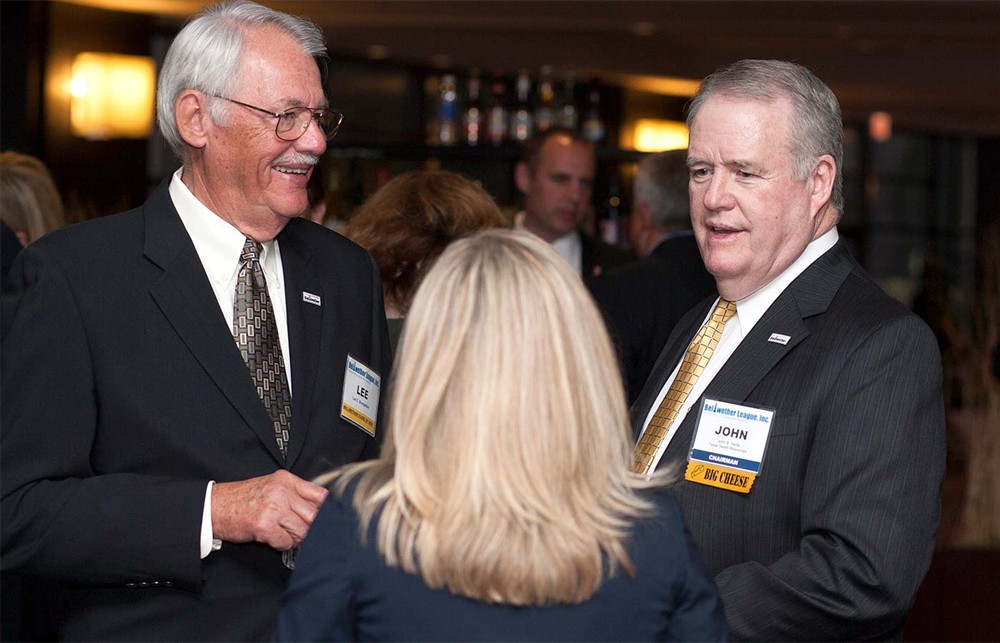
x,y
206,53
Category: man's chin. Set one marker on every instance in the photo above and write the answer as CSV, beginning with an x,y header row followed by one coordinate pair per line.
x,y
291,208
565,227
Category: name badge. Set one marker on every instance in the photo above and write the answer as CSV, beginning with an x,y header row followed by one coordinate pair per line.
x,y
360,400
728,446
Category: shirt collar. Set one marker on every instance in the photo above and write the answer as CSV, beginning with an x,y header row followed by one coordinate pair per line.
x,y
750,309
565,240
568,243
569,246
218,243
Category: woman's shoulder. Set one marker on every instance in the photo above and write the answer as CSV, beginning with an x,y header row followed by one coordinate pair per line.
x,y
662,498
666,519
337,512
343,490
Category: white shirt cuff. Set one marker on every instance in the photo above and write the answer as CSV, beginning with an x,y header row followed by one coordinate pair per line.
x,y
207,543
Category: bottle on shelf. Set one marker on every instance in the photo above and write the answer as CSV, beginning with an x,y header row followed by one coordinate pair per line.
x,y
496,117
568,116
522,125
544,113
610,225
472,118
447,110
593,128
432,96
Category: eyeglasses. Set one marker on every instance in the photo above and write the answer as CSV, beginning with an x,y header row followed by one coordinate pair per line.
x,y
293,123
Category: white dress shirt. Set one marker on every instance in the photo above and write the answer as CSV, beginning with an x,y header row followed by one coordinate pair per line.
x,y
749,310
219,246
568,246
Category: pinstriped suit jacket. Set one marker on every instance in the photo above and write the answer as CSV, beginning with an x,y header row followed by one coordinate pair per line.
x,y
838,531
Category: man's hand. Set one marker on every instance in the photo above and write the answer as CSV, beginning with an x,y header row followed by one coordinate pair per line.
x,y
275,509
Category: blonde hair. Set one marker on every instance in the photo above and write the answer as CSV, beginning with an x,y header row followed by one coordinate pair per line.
x,y
410,220
29,200
504,475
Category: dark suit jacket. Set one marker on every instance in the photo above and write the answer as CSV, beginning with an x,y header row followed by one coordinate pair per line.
x,y
342,590
642,303
838,530
124,394
597,257
10,246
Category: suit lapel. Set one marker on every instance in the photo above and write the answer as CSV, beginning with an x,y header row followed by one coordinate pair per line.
x,y
185,296
757,355
304,326
672,353
588,256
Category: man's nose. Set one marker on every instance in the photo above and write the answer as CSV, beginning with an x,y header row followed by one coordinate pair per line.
x,y
313,140
718,195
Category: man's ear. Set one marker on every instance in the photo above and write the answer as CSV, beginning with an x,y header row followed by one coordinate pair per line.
x,y
192,118
823,177
522,177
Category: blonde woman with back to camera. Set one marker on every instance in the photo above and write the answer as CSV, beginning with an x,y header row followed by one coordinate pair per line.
x,y
501,507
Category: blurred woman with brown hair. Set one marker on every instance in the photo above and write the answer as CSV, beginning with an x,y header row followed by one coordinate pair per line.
x,y
501,507
409,222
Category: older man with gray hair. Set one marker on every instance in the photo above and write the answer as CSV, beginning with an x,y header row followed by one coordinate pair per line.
x,y
802,408
175,375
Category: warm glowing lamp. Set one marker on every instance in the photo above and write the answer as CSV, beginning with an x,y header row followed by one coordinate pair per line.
x,y
880,126
652,135
112,96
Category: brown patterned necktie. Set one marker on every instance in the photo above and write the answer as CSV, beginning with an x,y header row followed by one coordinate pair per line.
x,y
695,359
257,336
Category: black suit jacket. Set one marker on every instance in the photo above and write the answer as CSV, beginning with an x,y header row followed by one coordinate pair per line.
x,y
124,394
838,530
10,246
642,303
597,257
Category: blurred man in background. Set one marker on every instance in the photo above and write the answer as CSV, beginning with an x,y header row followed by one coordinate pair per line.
x,y
556,177
642,302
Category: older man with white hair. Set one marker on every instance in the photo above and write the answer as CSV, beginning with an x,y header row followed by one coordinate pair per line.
x,y
175,375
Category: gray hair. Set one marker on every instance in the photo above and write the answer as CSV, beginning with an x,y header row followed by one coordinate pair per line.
x,y
661,182
206,54
817,127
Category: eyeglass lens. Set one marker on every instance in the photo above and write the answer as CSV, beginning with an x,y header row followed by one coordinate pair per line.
x,y
294,122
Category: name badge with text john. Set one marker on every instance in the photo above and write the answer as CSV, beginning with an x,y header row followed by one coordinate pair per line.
x,y
728,446
360,399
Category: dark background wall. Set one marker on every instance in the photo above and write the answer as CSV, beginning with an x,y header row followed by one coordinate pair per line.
x,y
39,42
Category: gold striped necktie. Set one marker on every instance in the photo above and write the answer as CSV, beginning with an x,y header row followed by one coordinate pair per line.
x,y
695,359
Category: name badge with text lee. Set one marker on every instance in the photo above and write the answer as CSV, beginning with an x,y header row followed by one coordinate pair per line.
x,y
360,400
